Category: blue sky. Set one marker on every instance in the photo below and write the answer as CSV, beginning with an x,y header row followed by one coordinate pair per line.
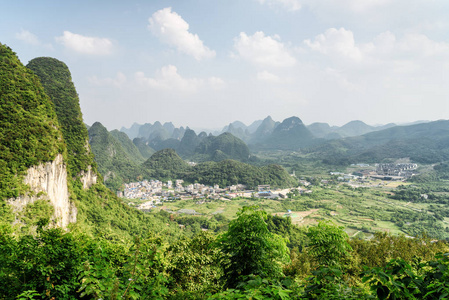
x,y
206,63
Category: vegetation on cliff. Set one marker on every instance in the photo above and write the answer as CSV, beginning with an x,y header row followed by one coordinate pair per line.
x,y
57,82
114,163
29,131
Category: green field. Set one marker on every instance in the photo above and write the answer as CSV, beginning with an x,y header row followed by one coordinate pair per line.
x,y
365,210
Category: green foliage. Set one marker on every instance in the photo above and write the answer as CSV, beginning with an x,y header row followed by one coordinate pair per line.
x,y
101,213
46,263
57,82
256,287
128,146
296,236
419,280
384,247
250,248
56,264
193,265
165,164
390,283
138,271
328,244
60,265
328,283
35,214
6,213
28,124
229,172
116,166
145,150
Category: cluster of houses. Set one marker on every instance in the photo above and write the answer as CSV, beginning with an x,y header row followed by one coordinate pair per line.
x,y
403,170
156,192
149,190
380,171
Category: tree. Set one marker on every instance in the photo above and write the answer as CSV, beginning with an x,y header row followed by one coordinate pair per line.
x,y
250,248
192,265
328,244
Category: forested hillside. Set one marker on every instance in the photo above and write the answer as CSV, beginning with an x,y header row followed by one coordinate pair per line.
x,y
30,134
167,165
29,131
115,163
57,82
218,148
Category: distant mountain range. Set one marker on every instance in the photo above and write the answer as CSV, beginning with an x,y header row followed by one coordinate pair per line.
x,y
423,143
267,134
201,147
355,141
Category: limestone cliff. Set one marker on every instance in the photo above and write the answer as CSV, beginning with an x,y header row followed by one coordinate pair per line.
x,y
88,178
49,181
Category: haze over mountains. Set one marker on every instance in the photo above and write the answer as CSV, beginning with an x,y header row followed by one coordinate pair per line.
x,y
259,131
421,141
290,134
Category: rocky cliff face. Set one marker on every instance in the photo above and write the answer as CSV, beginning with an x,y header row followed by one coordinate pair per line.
x,y
49,181
88,178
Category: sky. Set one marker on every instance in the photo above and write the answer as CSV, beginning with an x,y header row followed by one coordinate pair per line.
x,y
206,63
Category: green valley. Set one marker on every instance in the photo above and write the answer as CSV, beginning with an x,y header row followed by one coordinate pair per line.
x,y
274,210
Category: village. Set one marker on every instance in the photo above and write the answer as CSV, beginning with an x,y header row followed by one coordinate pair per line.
x,y
154,192
147,194
364,175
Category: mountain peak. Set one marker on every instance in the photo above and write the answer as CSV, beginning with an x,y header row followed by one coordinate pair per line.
x,y
290,123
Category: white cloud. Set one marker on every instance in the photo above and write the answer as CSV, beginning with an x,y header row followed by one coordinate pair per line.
x,y
339,42
216,82
86,44
363,6
346,6
28,37
268,77
383,44
171,29
31,39
292,5
341,80
263,50
422,45
167,78
118,81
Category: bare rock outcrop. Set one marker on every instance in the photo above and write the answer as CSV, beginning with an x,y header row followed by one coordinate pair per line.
x,y
49,181
88,178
